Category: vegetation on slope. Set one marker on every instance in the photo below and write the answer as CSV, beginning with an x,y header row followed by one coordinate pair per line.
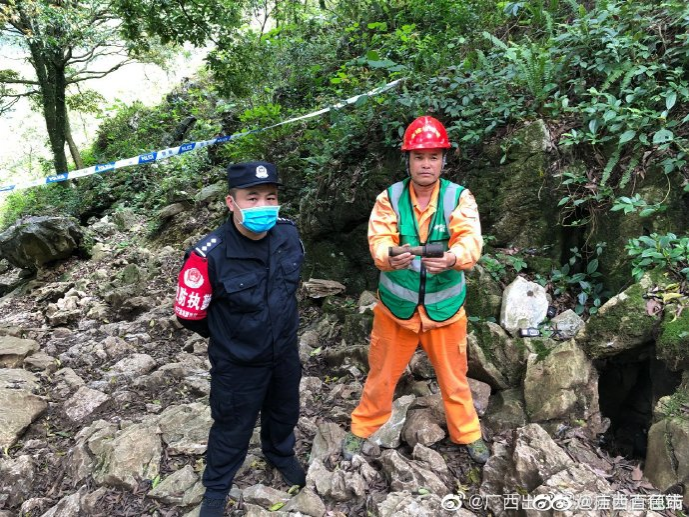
x,y
609,77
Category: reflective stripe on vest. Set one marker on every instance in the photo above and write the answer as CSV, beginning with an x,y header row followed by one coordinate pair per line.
x,y
413,296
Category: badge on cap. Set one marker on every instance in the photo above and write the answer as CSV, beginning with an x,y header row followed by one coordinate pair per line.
x,y
261,172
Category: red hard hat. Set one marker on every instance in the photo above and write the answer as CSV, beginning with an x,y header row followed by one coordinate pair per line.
x,y
425,133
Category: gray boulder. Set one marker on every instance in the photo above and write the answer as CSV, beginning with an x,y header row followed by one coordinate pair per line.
x,y
36,241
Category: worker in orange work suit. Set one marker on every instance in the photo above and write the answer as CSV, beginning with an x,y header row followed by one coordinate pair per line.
x,y
422,298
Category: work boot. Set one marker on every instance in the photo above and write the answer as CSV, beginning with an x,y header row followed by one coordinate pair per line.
x,y
478,451
292,472
212,507
351,445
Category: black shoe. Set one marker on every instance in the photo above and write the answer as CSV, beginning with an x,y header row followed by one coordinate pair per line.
x,y
292,472
212,507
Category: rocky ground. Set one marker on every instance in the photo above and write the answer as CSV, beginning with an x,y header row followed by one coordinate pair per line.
x,y
112,364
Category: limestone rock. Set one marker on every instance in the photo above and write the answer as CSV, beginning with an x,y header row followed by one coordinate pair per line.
x,y
17,379
327,443
85,402
524,305
185,428
319,288
423,426
482,367
338,485
172,210
484,294
480,394
133,454
18,409
40,361
11,279
567,324
173,488
390,432
134,365
563,387
667,458
410,475
622,324
264,496
13,350
306,502
405,504
211,192
525,462
16,476
69,506
672,341
494,357
35,241
506,410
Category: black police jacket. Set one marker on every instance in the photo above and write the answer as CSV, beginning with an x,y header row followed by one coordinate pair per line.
x,y
253,315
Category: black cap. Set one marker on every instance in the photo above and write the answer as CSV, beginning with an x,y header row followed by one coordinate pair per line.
x,y
243,175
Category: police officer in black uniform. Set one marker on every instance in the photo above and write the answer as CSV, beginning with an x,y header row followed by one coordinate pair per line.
x,y
238,287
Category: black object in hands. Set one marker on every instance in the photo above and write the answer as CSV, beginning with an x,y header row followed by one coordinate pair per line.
x,y
429,250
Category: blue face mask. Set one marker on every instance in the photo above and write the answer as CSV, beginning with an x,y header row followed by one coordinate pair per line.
x,y
259,219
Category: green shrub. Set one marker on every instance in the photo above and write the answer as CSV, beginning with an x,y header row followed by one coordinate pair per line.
x,y
667,251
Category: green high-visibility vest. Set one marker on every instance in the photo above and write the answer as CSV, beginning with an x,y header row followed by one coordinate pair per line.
x,y
402,291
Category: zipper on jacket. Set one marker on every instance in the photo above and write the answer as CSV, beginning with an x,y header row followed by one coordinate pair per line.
x,y
422,278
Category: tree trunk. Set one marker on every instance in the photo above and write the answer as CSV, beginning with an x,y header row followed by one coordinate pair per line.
x,y
73,149
55,111
50,72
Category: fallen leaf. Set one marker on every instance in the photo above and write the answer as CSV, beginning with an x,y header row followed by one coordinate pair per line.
x,y
668,297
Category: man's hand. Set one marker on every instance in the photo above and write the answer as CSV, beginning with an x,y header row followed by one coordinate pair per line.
x,y
401,261
440,264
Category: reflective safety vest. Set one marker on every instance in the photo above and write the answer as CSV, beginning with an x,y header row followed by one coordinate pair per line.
x,y
402,291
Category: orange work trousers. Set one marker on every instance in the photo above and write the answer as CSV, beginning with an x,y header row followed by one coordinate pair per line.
x,y
392,347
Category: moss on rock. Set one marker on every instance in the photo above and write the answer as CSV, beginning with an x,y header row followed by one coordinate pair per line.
x,y
616,228
622,324
516,199
673,340
484,294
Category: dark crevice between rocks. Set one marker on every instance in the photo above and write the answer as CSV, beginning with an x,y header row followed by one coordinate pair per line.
x,y
629,388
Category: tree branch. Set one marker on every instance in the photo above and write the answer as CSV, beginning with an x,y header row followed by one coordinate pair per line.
x,y
85,75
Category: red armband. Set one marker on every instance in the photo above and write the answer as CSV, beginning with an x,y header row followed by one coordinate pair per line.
x,y
194,290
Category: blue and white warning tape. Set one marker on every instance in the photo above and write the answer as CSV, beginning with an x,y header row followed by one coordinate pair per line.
x,y
163,154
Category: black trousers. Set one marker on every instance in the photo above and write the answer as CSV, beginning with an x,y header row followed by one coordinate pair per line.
x,y
238,394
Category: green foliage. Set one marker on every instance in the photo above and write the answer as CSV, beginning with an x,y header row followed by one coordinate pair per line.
x,y
636,204
676,405
626,81
499,264
177,22
535,66
610,74
585,285
86,101
668,251
50,199
65,43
